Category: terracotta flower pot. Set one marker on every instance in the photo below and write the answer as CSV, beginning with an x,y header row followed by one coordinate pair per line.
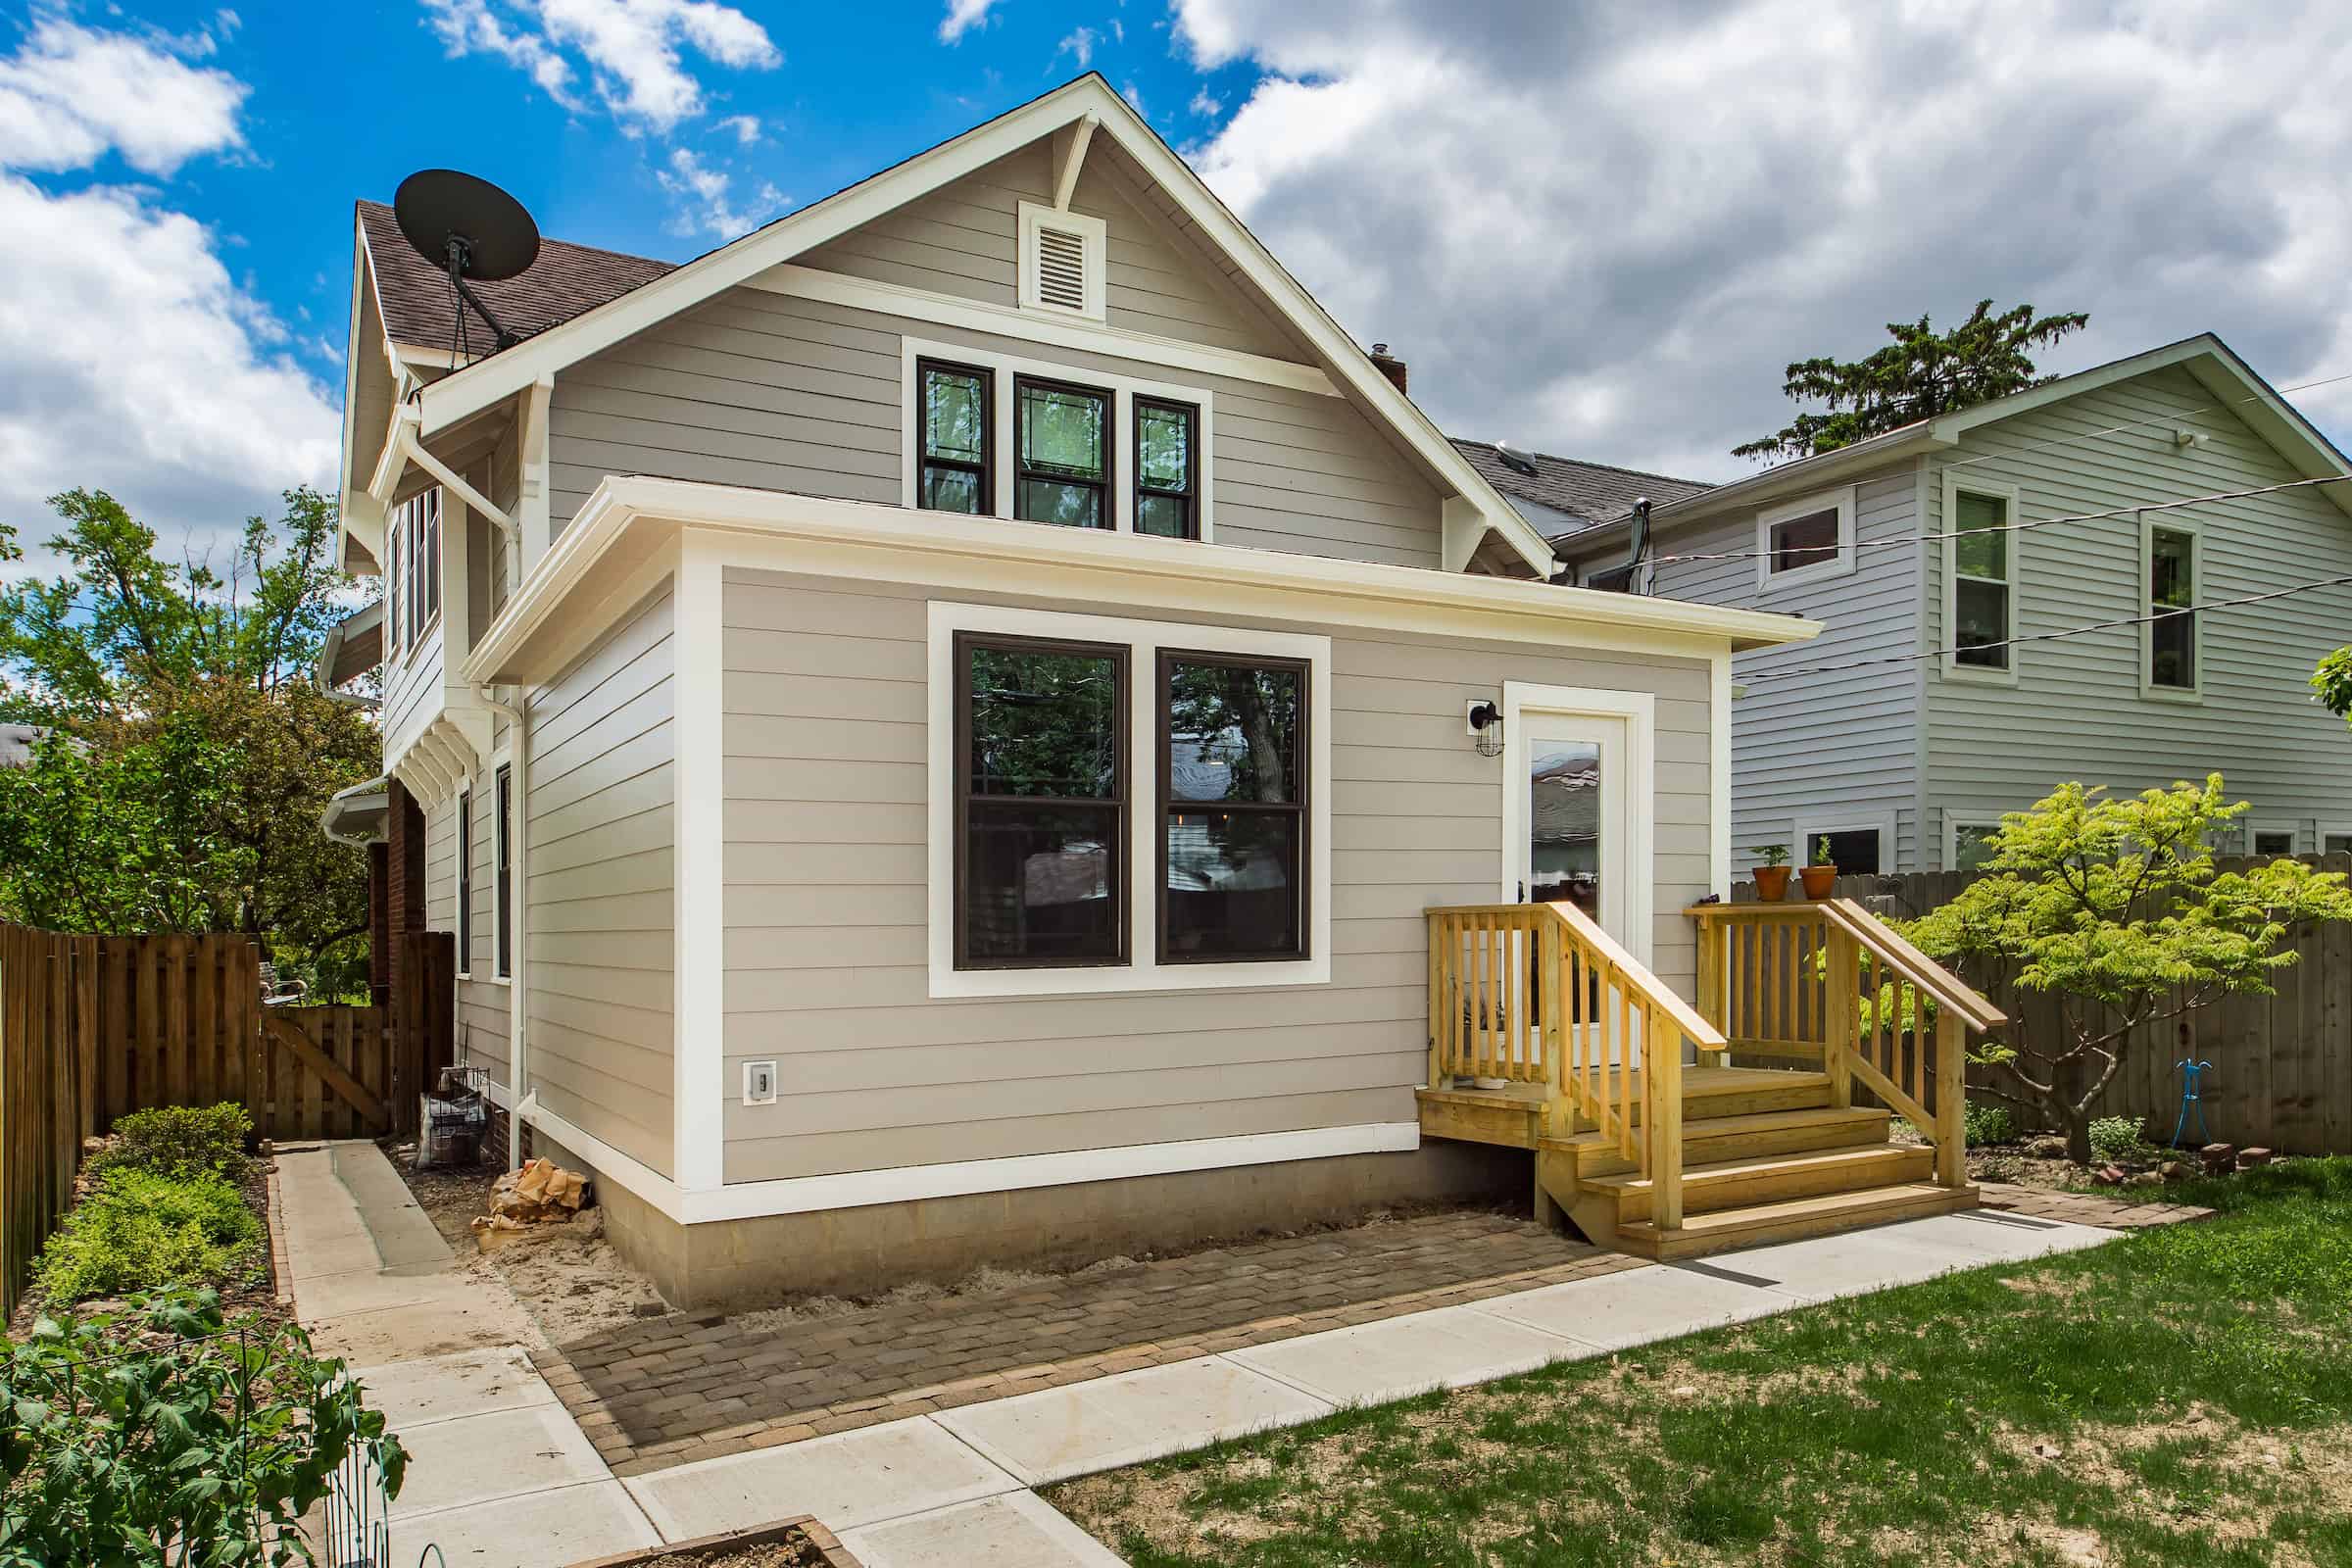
x,y
1771,883
1820,880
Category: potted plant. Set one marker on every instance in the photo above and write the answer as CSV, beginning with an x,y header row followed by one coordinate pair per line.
x,y
1820,875
1772,877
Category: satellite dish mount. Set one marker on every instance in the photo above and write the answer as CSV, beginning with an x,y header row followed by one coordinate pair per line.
x,y
471,229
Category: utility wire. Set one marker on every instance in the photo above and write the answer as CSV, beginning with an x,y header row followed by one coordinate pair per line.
x,y
2054,636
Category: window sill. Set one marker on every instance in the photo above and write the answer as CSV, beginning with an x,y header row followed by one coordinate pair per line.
x,y
2187,696
1773,584
1128,979
1969,675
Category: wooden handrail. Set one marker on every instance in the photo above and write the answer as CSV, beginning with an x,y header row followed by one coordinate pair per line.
x,y
1660,995
1949,989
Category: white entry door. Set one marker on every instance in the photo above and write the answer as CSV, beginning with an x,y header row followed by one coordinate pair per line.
x,y
1574,838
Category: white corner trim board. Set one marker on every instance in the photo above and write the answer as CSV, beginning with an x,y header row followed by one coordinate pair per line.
x,y
804,1195
699,886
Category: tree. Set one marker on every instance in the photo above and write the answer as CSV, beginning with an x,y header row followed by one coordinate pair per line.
x,y
190,752
2331,681
2116,907
1921,374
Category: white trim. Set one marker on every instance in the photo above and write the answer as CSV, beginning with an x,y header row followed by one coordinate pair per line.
x,y
2149,527
2293,831
1806,828
699,818
1953,823
1092,237
2328,830
2013,541
803,1195
1639,713
1719,696
464,847
1061,332
1005,433
827,536
1144,639
1069,158
1840,564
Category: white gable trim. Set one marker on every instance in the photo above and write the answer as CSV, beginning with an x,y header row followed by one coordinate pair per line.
x,y
501,375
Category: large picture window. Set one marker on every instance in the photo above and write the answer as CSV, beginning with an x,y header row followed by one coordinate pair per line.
x,y
954,416
1063,438
1233,798
1983,567
1167,469
1041,803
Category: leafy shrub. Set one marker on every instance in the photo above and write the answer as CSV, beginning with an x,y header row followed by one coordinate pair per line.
x,y
2115,1137
137,1231
1986,1124
181,1141
164,1433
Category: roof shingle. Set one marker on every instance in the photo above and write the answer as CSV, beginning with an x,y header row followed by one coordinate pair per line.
x,y
1589,493
566,280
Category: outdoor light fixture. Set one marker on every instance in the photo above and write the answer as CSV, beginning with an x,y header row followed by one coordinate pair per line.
x,y
1486,728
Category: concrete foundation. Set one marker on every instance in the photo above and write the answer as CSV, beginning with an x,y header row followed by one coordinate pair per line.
x,y
754,1263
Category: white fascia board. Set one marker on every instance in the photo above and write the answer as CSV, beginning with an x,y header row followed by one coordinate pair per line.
x,y
833,536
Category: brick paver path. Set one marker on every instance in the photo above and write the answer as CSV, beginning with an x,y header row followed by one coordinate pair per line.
x,y
2086,1209
684,1387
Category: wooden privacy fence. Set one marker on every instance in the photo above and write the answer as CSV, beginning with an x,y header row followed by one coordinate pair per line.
x,y
2281,1073
48,1036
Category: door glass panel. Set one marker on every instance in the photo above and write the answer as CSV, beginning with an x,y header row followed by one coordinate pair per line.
x,y
1564,824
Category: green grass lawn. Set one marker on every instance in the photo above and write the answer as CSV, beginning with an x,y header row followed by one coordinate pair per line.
x,y
2182,1396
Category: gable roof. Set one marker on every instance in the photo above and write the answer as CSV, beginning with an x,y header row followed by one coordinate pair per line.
x,y
1588,494
1088,102
566,280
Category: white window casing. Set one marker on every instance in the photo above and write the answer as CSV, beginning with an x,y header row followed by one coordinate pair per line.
x,y
2335,838
1954,826
1809,828
2012,553
1063,257
2184,527
2256,832
1143,639
1771,578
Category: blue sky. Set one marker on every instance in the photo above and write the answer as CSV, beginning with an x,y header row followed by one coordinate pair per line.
x,y
1594,229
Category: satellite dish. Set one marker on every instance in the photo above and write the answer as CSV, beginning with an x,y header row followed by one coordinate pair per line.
x,y
1515,459
468,228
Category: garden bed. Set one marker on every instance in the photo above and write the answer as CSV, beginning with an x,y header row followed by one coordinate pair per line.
x,y
793,1543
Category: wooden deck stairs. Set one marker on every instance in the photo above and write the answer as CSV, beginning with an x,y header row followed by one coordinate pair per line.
x,y
1553,1021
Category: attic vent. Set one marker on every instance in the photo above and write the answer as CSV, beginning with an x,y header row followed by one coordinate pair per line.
x,y
1061,261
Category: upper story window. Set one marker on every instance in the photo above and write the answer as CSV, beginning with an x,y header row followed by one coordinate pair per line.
x,y
952,415
413,567
1981,580
1804,540
2170,553
1064,447
1167,480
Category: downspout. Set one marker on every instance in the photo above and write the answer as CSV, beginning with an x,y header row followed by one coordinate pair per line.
x,y
518,744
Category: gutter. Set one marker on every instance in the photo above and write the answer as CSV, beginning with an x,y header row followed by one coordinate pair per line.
x,y
518,742
1822,469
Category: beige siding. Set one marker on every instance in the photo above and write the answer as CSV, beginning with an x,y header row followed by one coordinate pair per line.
x,y
482,1016
2075,712
826,904
598,930
776,393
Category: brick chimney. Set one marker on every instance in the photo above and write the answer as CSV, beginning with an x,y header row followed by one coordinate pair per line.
x,y
1389,366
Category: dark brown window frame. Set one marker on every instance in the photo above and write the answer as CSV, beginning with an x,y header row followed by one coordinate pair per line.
x,y
1300,804
1190,495
466,880
1121,801
987,469
502,873
1109,511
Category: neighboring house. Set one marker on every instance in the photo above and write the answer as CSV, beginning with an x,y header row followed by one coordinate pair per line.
x,y
17,743
1920,715
937,726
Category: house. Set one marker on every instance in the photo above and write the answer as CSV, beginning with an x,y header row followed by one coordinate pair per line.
x,y
1951,685
974,722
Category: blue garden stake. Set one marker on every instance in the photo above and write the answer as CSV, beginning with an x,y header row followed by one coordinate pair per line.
x,y
2189,1097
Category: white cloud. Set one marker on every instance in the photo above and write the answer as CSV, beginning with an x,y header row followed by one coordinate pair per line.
x,y
632,50
706,200
1080,45
962,17
745,128
68,95
137,363
1204,106
1604,235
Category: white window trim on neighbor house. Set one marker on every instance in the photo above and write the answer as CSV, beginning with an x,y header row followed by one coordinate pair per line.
x,y
1091,233
1003,473
1143,640
1841,564
2292,830
2149,526
1952,824
2333,830
1953,488
1809,828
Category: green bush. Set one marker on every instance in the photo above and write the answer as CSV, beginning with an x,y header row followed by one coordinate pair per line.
x,y
137,1231
2115,1137
1986,1124
166,1433
181,1141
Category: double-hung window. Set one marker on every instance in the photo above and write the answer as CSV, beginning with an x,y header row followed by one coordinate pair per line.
x,y
1982,561
2170,553
464,881
1232,789
1167,468
953,416
502,881
1062,439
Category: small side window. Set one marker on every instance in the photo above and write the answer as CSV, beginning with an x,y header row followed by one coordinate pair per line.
x,y
953,423
1167,468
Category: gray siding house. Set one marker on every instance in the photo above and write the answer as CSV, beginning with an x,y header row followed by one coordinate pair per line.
x,y
936,725
1938,697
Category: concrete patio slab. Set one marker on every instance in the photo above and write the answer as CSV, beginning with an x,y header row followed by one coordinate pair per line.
x,y
1857,1262
1122,1420
1621,1310
503,1454
1376,1362
847,1480
444,1387
1999,1237
1018,1530
538,1530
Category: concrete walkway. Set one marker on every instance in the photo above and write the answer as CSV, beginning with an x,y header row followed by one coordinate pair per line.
x,y
503,1475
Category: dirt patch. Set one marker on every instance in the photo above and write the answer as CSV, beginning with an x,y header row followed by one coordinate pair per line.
x,y
566,1275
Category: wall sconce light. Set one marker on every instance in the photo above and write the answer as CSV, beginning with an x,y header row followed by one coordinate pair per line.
x,y
1486,728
